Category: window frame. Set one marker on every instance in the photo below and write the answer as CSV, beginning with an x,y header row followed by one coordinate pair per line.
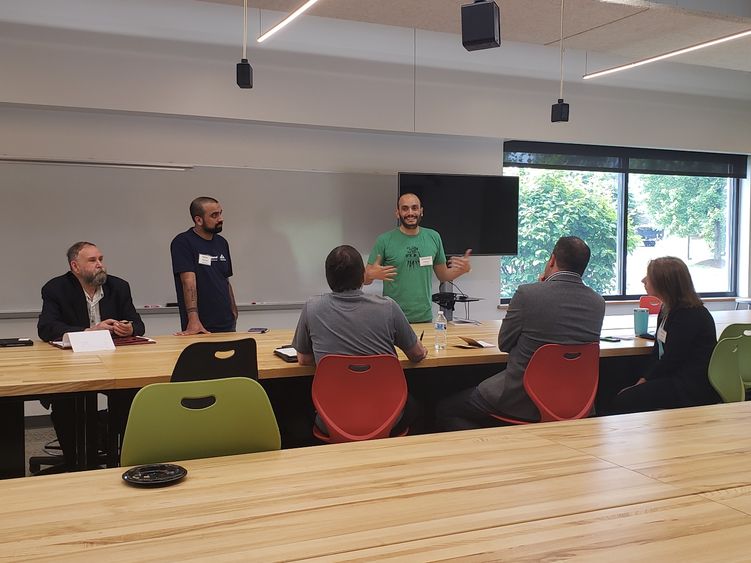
x,y
591,158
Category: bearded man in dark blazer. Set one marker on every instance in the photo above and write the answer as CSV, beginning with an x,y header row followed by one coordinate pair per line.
x,y
84,298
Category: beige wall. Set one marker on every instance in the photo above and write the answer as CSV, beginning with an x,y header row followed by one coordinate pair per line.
x,y
154,82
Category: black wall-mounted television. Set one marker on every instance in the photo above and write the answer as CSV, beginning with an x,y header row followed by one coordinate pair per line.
x,y
468,211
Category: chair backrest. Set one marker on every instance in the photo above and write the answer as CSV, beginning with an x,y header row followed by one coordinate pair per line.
x,y
561,379
196,419
212,360
725,367
736,329
650,302
744,349
359,397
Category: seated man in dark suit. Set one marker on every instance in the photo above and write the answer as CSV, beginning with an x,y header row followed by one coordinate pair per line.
x,y
85,298
351,322
559,309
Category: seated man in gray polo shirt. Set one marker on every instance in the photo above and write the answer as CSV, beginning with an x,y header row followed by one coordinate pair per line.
x,y
350,322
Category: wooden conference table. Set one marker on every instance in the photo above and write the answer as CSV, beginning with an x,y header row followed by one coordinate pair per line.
x,y
42,369
669,485
45,369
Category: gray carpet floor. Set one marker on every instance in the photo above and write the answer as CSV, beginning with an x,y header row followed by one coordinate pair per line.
x,y
38,433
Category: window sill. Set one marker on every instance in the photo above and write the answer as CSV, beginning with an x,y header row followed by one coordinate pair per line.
x,y
504,306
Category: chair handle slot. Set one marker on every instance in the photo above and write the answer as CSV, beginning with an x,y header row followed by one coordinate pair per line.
x,y
359,368
198,403
572,355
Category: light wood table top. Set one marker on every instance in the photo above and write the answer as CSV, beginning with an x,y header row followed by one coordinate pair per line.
x,y
539,492
44,369
710,437
136,366
625,323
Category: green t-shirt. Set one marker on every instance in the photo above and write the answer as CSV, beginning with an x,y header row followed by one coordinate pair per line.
x,y
411,288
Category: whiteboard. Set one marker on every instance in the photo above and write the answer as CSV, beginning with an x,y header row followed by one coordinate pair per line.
x,y
280,225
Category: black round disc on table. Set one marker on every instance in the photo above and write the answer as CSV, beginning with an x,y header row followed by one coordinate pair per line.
x,y
154,475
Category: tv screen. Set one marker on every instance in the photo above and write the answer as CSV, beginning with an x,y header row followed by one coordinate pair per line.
x,y
468,211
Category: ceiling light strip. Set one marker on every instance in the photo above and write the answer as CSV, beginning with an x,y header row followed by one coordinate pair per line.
x,y
286,21
668,55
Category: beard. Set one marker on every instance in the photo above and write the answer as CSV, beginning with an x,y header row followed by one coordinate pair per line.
x,y
215,230
96,279
410,226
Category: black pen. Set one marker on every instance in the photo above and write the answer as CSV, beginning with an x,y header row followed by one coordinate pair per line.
x,y
421,335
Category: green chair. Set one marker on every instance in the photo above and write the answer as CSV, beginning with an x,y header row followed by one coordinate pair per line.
x,y
724,368
197,419
742,329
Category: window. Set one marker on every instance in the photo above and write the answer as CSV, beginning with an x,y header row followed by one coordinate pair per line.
x,y
554,203
685,216
630,205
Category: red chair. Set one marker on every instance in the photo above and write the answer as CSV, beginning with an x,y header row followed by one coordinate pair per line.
x,y
561,380
358,397
650,302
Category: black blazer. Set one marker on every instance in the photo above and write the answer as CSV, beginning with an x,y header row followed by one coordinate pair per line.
x,y
64,306
691,339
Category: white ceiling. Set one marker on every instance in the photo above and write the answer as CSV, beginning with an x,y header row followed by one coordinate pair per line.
x,y
633,29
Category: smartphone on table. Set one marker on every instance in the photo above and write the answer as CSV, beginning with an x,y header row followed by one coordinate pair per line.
x,y
286,353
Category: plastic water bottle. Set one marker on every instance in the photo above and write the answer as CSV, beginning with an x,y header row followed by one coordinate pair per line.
x,y
441,328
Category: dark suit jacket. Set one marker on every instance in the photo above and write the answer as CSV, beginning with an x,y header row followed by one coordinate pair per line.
x,y
691,339
64,306
561,310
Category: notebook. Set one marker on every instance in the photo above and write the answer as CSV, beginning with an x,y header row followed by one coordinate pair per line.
x,y
472,343
118,341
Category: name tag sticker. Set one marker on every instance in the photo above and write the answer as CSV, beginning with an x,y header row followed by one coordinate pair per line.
x,y
426,260
662,335
204,259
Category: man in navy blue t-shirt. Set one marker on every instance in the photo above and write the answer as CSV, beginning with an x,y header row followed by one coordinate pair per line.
x,y
202,267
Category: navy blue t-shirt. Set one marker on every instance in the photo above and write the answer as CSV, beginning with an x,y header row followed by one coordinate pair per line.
x,y
210,261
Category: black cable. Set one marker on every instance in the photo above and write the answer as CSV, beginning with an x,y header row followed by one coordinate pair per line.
x,y
466,303
457,287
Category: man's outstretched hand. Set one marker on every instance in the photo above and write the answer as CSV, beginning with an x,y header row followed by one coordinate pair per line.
x,y
376,271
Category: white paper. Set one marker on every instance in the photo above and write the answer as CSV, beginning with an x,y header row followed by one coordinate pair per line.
x,y
477,343
89,340
426,260
204,259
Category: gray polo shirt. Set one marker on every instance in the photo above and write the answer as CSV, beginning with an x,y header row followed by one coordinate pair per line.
x,y
352,323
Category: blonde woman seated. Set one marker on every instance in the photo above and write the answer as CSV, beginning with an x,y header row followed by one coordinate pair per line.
x,y
684,342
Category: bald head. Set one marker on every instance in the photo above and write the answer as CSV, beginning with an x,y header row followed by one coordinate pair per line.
x,y
409,213
408,199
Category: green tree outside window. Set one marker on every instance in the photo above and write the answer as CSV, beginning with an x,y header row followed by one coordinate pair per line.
x,y
555,203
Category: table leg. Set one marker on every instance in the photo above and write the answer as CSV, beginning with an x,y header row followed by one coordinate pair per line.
x,y
12,452
86,431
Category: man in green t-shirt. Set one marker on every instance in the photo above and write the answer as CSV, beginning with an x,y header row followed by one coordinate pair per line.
x,y
405,258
